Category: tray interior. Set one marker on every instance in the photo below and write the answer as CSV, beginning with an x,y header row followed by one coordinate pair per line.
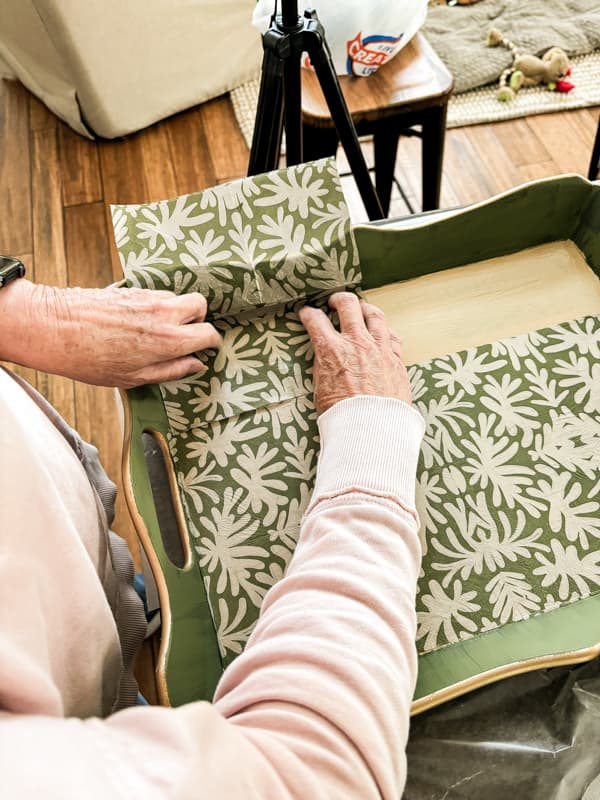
x,y
479,303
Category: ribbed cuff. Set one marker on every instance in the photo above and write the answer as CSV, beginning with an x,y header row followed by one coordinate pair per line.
x,y
370,443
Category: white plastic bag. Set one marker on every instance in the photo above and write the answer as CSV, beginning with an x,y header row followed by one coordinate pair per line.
x,y
362,34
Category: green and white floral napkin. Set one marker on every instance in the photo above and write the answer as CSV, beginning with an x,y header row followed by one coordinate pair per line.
x,y
255,242
243,436
509,475
508,480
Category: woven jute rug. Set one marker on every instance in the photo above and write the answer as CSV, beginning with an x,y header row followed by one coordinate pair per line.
x,y
480,105
476,106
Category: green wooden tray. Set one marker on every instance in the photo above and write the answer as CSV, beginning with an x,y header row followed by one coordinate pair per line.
x,y
190,662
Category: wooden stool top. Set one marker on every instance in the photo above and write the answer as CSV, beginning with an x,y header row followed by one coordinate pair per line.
x,y
413,80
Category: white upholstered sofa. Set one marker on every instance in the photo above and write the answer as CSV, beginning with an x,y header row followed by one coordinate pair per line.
x,y
109,67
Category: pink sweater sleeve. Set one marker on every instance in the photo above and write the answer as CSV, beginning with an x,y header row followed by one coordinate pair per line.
x,y
317,705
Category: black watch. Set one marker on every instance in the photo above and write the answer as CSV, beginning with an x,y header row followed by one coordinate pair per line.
x,y
10,268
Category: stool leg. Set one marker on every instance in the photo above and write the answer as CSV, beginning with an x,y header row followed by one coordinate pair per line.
x,y
318,142
385,146
595,162
434,131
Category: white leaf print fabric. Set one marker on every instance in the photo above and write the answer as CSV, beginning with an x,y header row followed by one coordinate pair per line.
x,y
508,488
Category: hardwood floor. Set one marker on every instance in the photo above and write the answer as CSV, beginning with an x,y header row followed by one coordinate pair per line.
x,y
482,160
56,188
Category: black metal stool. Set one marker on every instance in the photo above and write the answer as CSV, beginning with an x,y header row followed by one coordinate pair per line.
x,y
411,90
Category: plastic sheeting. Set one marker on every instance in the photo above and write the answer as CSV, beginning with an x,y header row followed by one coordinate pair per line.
x,y
362,35
532,737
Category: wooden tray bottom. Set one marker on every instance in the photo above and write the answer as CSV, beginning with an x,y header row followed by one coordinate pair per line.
x,y
489,300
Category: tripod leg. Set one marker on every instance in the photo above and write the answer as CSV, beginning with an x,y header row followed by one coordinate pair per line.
x,y
595,161
321,61
292,110
266,140
318,142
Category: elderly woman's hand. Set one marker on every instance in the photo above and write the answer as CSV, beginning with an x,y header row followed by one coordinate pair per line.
x,y
110,337
365,358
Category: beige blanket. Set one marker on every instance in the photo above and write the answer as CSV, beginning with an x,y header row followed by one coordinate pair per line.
x,y
457,33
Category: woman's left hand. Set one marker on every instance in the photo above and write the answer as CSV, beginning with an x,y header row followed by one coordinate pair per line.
x,y
110,337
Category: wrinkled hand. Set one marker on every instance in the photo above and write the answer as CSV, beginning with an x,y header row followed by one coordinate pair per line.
x,y
365,358
110,337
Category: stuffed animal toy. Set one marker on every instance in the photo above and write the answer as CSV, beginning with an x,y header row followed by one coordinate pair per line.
x,y
453,2
528,70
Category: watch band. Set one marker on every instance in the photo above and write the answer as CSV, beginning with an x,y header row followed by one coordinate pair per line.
x,y
10,268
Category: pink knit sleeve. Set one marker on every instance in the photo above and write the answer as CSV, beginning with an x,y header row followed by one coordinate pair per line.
x,y
317,705
324,686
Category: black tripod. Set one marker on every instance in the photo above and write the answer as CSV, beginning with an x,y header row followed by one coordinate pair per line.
x,y
279,99
594,169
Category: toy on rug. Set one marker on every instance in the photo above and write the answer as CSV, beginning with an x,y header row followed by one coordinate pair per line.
x,y
528,70
453,2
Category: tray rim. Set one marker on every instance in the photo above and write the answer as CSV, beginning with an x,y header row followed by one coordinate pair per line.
x,y
141,507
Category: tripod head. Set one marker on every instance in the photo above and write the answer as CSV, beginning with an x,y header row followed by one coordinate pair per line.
x,y
279,98
290,19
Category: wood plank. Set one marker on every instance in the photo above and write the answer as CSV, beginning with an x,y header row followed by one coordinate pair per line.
x,y
49,249
86,244
408,169
96,407
586,119
358,214
228,150
448,198
122,170
123,179
157,164
113,255
494,163
567,140
15,197
353,200
80,168
191,152
520,142
48,233
351,193
398,207
534,172
466,175
408,173
60,393
40,117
